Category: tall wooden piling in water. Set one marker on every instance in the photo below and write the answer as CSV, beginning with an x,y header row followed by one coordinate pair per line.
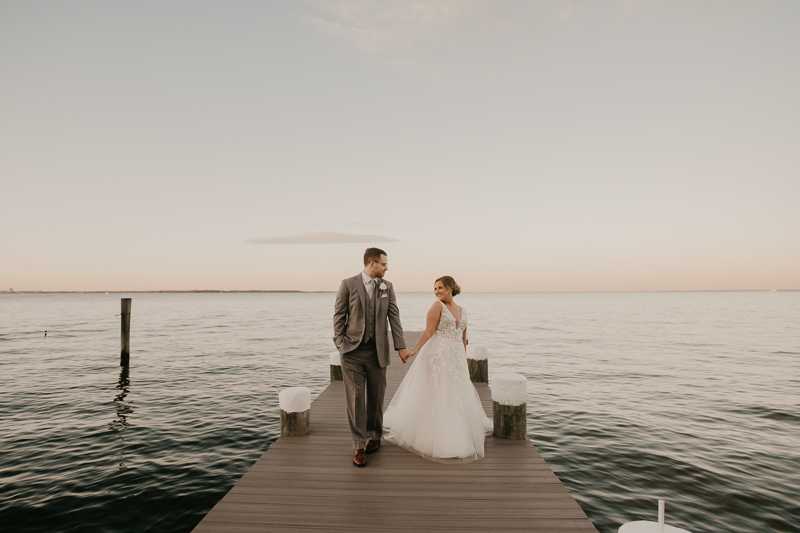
x,y
125,338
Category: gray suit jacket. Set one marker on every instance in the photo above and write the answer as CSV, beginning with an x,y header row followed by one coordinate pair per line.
x,y
349,318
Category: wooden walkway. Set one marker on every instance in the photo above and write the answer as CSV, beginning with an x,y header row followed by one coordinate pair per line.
x,y
310,484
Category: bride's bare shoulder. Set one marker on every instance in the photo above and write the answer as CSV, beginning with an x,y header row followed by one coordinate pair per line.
x,y
436,307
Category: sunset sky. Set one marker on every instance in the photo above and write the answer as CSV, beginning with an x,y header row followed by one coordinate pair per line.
x,y
515,145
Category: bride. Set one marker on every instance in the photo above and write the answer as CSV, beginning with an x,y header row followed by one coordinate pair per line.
x,y
436,412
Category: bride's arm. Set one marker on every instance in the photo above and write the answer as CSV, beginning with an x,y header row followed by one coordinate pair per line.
x,y
431,321
464,339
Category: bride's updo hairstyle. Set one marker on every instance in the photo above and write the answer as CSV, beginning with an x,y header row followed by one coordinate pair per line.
x,y
451,284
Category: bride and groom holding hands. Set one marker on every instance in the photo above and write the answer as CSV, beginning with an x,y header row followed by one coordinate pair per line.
x,y
436,412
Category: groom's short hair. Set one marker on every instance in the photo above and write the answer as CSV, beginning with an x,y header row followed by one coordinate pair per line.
x,y
373,254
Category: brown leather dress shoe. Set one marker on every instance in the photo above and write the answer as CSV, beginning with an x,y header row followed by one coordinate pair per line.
x,y
373,446
359,459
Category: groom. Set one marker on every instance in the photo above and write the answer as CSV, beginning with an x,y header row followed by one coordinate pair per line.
x,y
364,305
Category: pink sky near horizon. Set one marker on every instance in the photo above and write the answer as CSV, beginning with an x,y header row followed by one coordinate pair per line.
x,y
551,146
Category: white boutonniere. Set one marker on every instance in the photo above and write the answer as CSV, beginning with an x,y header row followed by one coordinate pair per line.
x,y
383,287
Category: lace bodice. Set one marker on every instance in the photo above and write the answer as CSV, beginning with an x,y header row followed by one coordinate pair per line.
x,y
447,327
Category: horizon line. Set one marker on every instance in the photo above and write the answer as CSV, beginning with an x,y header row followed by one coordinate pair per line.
x,y
296,291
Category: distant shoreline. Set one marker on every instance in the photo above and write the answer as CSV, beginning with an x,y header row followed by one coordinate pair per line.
x,y
144,292
148,292
210,291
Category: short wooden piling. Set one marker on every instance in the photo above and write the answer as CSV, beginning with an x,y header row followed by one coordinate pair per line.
x,y
510,406
478,363
295,404
125,352
295,424
336,367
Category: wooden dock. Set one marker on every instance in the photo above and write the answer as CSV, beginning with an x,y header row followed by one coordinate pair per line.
x,y
310,484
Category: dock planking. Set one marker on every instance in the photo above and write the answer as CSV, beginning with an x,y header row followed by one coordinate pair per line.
x,y
310,484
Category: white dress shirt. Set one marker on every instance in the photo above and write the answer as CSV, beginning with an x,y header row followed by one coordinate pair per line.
x,y
367,283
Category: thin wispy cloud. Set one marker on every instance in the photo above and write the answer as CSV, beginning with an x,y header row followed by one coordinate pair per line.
x,y
321,237
376,26
349,223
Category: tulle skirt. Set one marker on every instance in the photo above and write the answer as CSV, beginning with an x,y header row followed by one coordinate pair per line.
x,y
436,412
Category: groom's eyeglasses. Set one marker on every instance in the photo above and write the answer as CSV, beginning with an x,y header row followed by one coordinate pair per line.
x,y
384,265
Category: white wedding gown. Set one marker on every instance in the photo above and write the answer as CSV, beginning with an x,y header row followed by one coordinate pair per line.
x,y
436,412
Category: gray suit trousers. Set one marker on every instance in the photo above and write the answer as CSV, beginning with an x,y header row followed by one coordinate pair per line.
x,y
365,388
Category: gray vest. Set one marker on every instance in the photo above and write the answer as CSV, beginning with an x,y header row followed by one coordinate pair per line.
x,y
369,314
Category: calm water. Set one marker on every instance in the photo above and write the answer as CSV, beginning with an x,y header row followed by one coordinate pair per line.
x,y
689,397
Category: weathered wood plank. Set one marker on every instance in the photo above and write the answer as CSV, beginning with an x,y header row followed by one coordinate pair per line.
x,y
308,483
261,510
421,502
226,527
411,521
508,470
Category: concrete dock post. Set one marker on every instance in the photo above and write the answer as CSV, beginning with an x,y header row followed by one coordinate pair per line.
x,y
295,404
510,406
336,367
478,363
